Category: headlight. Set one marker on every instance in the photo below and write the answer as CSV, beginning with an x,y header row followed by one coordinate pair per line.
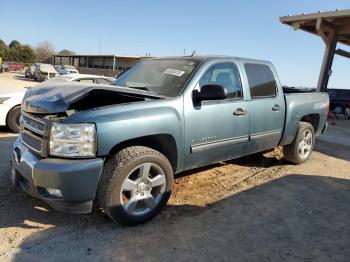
x,y
73,140
3,99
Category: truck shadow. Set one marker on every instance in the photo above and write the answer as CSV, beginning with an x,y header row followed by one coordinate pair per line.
x,y
295,217
25,208
260,160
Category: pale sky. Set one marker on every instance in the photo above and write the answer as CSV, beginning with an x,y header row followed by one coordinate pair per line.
x,y
245,28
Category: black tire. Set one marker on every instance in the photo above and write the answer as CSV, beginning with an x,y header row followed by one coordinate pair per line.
x,y
41,78
291,152
13,119
117,169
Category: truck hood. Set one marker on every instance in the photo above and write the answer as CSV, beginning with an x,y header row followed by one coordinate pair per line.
x,y
60,97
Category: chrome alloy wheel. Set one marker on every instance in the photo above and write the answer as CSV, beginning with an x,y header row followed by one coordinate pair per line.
x,y
143,189
305,144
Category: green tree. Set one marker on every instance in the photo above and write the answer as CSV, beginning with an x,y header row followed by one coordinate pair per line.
x,y
3,47
2,44
7,54
20,53
11,54
14,43
27,54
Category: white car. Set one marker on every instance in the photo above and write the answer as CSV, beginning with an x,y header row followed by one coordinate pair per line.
x,y
10,110
10,103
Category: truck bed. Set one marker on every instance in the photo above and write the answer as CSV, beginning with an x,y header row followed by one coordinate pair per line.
x,y
301,105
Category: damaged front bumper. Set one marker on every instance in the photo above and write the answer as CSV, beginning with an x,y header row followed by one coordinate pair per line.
x,y
66,185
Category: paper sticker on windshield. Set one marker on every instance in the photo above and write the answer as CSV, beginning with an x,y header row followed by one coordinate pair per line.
x,y
174,72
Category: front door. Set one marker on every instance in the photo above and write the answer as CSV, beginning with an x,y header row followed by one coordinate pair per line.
x,y
217,130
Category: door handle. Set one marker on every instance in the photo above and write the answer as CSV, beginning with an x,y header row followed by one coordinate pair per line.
x,y
276,108
240,112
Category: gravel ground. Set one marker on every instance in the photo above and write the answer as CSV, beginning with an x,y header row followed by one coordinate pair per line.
x,y
257,208
14,82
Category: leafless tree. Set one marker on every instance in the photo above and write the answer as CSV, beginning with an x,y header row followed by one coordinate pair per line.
x,y
43,51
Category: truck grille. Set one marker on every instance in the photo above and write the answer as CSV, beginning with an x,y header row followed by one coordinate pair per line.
x,y
31,141
33,124
34,133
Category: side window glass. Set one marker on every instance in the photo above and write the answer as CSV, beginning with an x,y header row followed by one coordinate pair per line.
x,y
226,75
261,80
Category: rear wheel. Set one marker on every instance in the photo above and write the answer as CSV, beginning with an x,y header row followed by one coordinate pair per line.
x,y
13,119
135,185
300,149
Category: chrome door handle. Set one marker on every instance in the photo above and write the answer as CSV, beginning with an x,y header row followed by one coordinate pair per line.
x,y
240,112
276,108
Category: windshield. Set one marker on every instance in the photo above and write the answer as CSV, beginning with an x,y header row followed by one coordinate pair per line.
x,y
161,76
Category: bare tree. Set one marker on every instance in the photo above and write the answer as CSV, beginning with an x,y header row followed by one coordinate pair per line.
x,y
43,51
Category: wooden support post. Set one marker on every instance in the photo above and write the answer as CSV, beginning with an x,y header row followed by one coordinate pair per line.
x,y
326,68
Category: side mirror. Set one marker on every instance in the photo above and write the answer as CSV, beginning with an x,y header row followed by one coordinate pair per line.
x,y
210,92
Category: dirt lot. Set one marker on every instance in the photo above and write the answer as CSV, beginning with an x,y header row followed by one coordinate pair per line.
x,y
252,209
13,82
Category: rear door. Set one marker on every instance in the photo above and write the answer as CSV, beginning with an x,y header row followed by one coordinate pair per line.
x,y
267,107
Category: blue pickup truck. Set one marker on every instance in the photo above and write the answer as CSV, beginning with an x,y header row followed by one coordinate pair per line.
x,y
120,145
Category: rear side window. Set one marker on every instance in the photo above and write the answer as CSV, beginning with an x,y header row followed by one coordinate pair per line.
x,y
261,80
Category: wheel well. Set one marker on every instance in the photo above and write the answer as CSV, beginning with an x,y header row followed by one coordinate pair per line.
x,y
313,119
163,143
8,113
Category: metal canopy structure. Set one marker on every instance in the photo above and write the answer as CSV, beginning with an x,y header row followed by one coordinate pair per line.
x,y
332,27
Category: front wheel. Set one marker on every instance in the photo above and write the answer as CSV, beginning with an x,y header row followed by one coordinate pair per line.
x,y
13,119
135,185
300,149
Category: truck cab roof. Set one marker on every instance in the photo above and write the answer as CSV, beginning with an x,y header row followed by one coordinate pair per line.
x,y
214,58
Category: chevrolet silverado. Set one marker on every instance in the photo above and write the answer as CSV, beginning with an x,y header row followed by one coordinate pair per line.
x,y
120,145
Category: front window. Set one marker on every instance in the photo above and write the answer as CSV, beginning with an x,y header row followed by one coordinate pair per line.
x,y
165,77
226,75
